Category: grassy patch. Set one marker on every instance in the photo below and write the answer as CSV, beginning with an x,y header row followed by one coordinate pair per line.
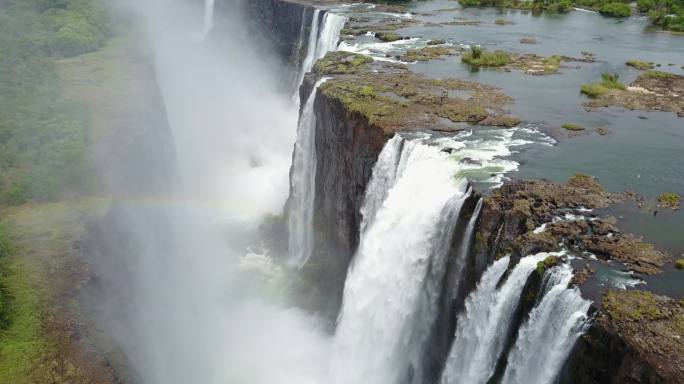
x,y
640,65
43,240
426,54
632,305
608,81
342,63
658,75
669,200
573,127
480,58
503,22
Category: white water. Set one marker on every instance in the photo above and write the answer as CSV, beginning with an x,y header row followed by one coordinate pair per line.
x,y
295,81
546,339
330,34
208,17
309,59
303,184
392,288
319,44
484,325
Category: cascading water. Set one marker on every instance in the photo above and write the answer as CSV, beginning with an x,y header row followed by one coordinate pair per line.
x,y
330,34
295,81
392,289
208,17
303,184
309,59
319,44
485,324
546,339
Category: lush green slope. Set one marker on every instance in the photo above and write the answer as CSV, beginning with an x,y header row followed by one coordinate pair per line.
x,y
43,140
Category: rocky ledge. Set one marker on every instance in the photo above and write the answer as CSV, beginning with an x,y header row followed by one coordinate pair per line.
x,y
651,91
636,338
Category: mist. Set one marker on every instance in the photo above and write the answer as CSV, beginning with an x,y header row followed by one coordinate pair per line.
x,y
184,289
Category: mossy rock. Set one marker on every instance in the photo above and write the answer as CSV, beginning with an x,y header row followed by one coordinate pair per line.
x,y
503,22
336,63
602,131
632,305
640,65
436,42
573,127
388,37
679,264
547,263
669,200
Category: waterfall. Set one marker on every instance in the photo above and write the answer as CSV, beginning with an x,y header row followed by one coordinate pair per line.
x,y
330,34
318,46
295,80
393,285
303,184
483,327
546,339
208,17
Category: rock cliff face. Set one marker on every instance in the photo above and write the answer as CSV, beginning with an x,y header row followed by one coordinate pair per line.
x,y
347,147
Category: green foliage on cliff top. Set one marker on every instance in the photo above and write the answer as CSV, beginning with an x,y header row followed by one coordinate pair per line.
x,y
43,139
363,99
632,305
547,263
339,62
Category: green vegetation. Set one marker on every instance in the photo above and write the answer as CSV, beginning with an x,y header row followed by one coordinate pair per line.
x,y
547,263
679,264
668,14
503,22
632,305
43,139
480,58
669,200
362,99
573,127
616,9
426,53
658,75
342,63
640,65
536,5
608,81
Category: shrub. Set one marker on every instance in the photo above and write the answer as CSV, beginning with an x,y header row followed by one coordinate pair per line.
x,y
479,58
616,10
645,5
612,81
641,65
593,90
